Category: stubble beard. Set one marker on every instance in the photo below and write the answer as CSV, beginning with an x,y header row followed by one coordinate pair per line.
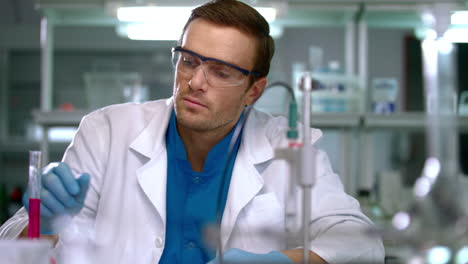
x,y
198,121
201,123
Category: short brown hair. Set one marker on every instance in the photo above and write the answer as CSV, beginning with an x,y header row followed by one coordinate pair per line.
x,y
239,15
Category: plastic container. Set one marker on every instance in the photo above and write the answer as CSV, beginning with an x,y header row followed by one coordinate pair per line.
x,y
384,95
335,92
106,88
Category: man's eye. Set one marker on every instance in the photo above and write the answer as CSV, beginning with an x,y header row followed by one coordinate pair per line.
x,y
222,74
188,61
221,71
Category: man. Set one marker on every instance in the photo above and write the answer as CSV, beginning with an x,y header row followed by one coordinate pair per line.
x,y
161,172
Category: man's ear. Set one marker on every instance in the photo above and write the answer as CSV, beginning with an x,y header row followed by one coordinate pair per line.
x,y
255,91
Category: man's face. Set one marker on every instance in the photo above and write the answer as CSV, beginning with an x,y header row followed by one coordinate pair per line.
x,y
201,106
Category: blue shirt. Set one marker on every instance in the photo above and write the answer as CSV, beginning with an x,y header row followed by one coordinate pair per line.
x,y
192,198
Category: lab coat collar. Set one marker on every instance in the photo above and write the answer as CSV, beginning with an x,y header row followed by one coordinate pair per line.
x,y
152,139
255,142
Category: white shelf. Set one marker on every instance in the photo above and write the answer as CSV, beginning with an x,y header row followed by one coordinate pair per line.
x,y
21,146
335,120
398,120
59,118
407,121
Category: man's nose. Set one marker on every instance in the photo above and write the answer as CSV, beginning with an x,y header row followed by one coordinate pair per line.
x,y
198,80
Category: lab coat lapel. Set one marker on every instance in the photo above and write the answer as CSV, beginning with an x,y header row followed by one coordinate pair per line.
x,y
152,176
246,181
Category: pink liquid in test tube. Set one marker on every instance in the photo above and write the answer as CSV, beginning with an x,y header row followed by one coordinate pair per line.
x,y
34,194
34,218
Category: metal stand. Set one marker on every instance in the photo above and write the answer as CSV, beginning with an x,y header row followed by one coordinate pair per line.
x,y
307,176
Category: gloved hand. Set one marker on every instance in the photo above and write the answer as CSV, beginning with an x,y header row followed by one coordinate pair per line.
x,y
237,256
61,195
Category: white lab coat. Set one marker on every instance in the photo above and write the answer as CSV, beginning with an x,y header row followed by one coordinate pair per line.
x,y
123,148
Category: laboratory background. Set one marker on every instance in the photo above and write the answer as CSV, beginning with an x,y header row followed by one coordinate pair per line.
x,y
385,102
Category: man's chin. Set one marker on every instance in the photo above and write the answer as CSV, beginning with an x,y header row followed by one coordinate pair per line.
x,y
190,119
194,126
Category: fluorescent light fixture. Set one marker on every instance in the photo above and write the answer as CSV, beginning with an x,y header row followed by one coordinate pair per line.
x,y
166,14
151,31
453,34
276,31
459,18
457,35
269,13
163,14
163,22
54,134
61,134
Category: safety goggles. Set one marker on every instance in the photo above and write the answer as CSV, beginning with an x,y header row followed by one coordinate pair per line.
x,y
217,73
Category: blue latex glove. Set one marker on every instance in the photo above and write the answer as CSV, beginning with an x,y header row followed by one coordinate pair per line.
x,y
237,256
61,195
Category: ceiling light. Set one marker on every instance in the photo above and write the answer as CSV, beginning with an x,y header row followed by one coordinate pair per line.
x,y
459,18
269,13
453,34
457,35
162,22
150,31
169,13
152,13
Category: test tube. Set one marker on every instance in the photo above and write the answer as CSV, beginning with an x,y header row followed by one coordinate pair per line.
x,y
35,158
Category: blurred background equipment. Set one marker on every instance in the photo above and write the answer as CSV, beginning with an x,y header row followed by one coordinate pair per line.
x,y
106,88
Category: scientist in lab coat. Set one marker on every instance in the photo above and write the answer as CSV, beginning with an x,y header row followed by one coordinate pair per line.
x,y
145,179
